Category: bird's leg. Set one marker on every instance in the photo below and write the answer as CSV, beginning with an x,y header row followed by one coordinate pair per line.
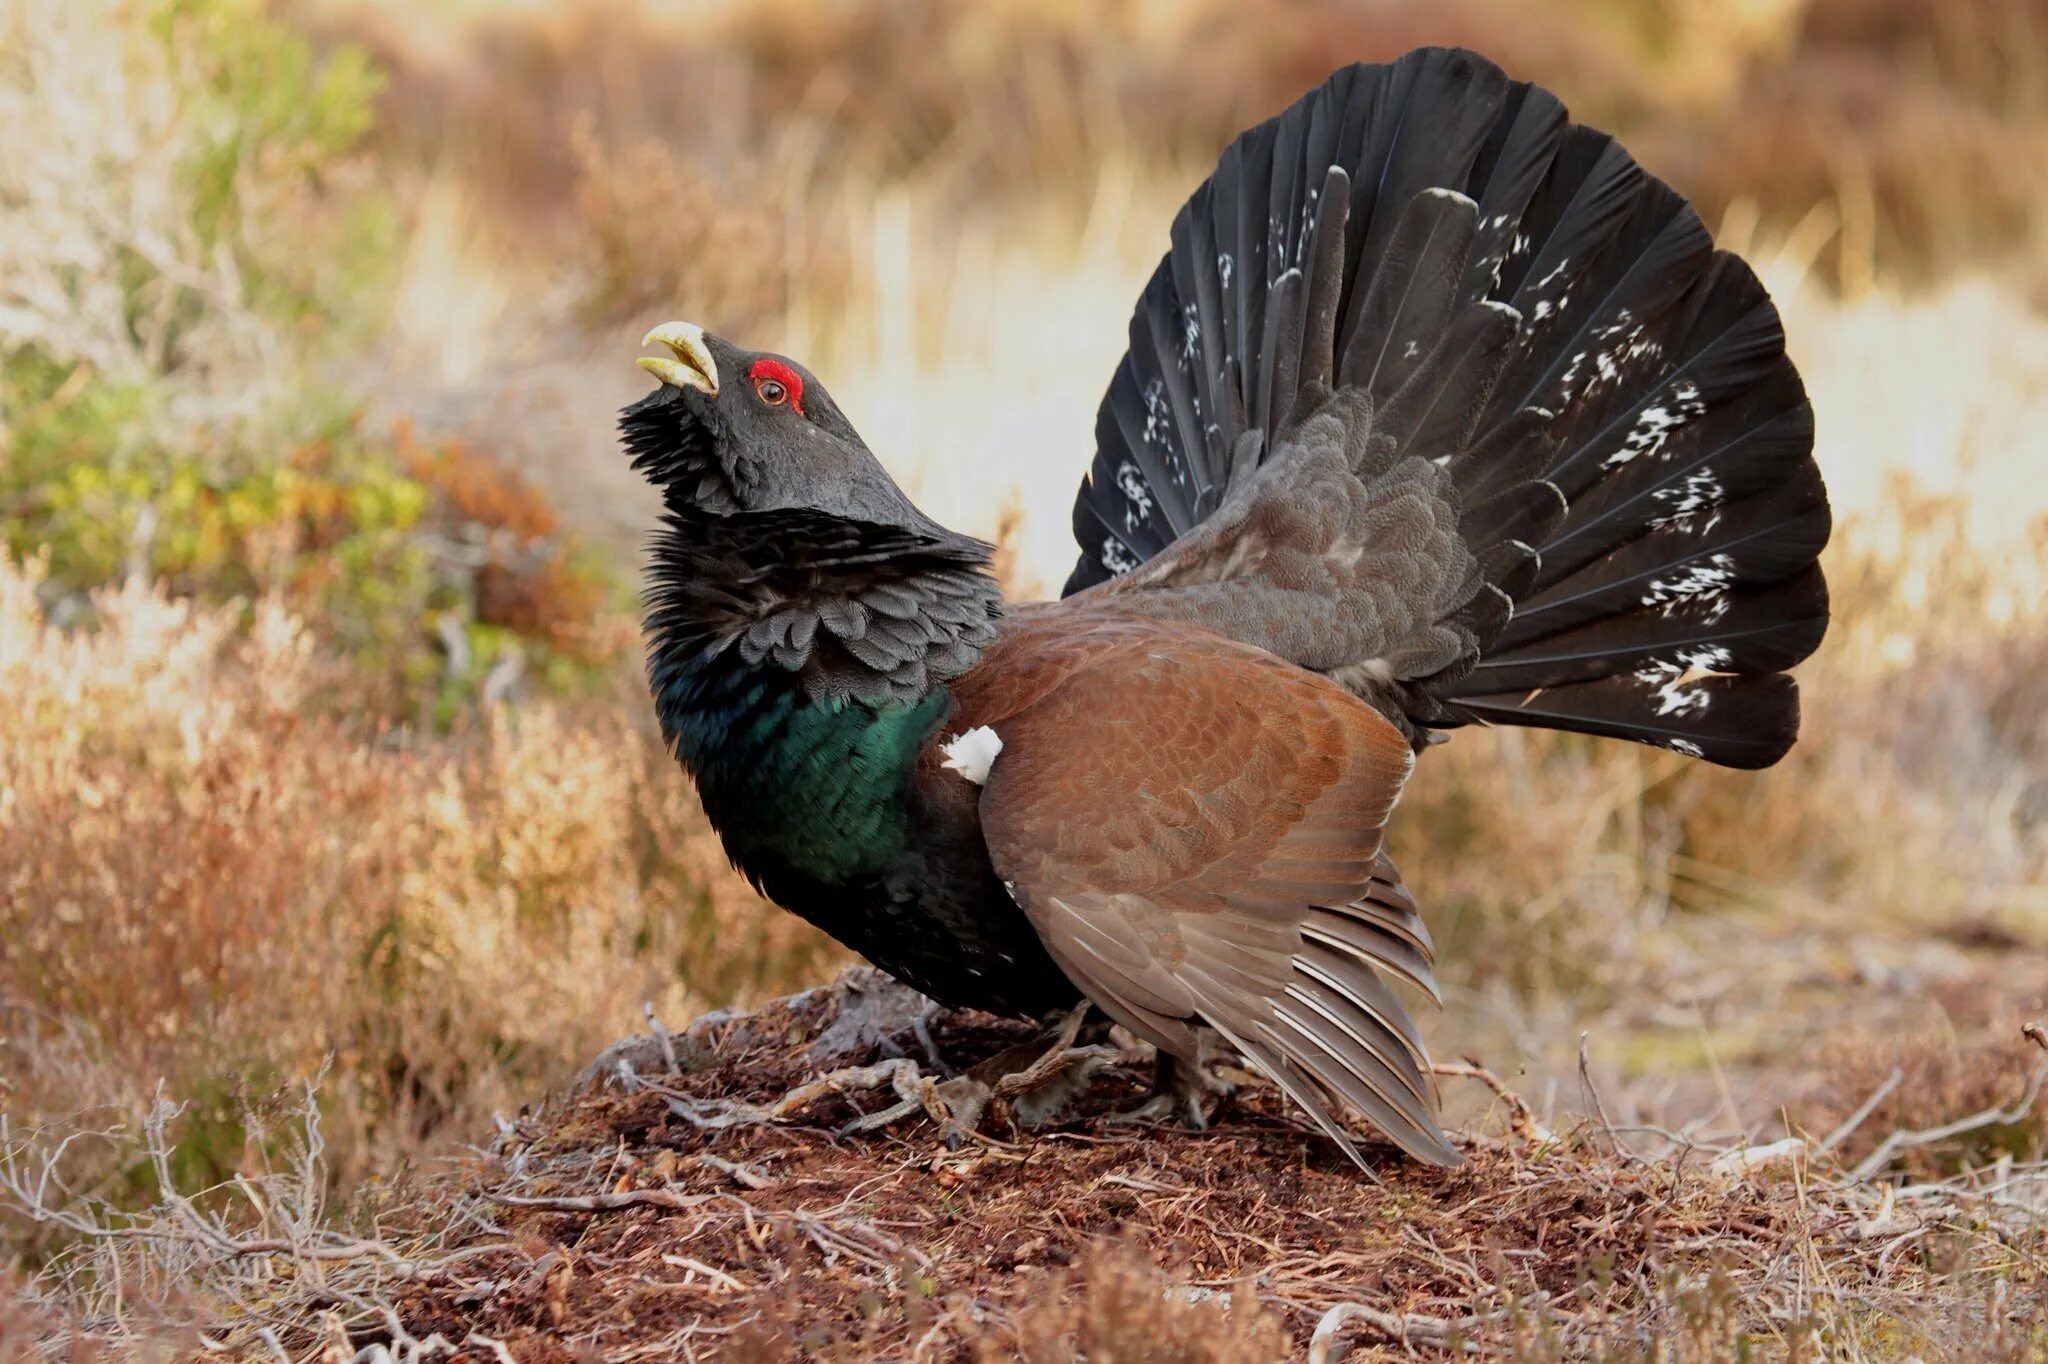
x,y
1037,1093
1180,1089
1036,1080
922,1026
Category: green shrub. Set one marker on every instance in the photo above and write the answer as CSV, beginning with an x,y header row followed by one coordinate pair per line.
x,y
276,125
170,429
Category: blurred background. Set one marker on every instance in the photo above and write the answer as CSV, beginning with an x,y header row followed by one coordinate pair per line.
x,y
324,748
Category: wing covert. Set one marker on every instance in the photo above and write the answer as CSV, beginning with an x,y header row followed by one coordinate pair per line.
x,y
1193,827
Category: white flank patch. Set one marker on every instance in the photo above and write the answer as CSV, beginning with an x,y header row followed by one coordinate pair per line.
x,y
974,753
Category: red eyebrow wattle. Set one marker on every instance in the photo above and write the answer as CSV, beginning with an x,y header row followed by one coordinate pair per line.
x,y
791,381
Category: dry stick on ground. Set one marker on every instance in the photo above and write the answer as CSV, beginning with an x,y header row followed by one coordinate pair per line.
x,y
1989,1117
912,1088
661,1034
604,1202
1521,1118
746,1176
1600,1105
1745,1159
1400,1327
1862,1113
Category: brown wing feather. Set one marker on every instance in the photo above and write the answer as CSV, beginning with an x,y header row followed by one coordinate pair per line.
x,y
1193,826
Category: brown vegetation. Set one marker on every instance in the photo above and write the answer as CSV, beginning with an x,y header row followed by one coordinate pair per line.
x,y
662,1212
231,862
214,872
1921,124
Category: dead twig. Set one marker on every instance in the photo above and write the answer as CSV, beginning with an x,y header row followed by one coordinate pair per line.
x,y
746,1176
1401,1327
1600,1105
673,1199
1521,1118
661,1035
1862,1113
1909,1139
717,1276
1743,1160
900,1074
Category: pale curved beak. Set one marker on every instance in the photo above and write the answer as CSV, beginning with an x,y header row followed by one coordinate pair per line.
x,y
692,365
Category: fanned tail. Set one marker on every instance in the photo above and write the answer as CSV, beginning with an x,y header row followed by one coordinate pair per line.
x,y
1435,303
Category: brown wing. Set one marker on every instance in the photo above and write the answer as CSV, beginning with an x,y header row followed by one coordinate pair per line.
x,y
1193,826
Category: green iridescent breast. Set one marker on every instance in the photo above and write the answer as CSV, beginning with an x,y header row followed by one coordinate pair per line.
x,y
816,787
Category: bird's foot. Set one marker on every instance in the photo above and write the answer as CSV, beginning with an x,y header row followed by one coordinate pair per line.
x,y
1031,1084
1180,1090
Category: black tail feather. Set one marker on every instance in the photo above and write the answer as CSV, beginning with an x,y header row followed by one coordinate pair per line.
x,y
1700,558
1513,297
1752,630
1733,721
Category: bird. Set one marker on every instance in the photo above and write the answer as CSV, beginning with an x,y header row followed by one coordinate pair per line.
x,y
1438,411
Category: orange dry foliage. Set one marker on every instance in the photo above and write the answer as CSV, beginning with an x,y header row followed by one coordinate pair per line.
x,y
527,578
477,488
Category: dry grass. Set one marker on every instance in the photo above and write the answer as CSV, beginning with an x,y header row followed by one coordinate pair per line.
x,y
1919,122
214,870
211,872
642,1218
95,263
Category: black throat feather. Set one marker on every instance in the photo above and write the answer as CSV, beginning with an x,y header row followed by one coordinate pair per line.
x,y
848,610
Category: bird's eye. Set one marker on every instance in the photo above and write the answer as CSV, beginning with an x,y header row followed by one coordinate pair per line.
x,y
776,384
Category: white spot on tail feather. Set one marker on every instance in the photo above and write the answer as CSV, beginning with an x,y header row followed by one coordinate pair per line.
x,y
1674,681
1698,491
1653,426
1704,582
1156,415
973,754
1137,496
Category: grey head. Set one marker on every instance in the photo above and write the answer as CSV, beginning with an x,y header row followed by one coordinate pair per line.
x,y
786,544
733,431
